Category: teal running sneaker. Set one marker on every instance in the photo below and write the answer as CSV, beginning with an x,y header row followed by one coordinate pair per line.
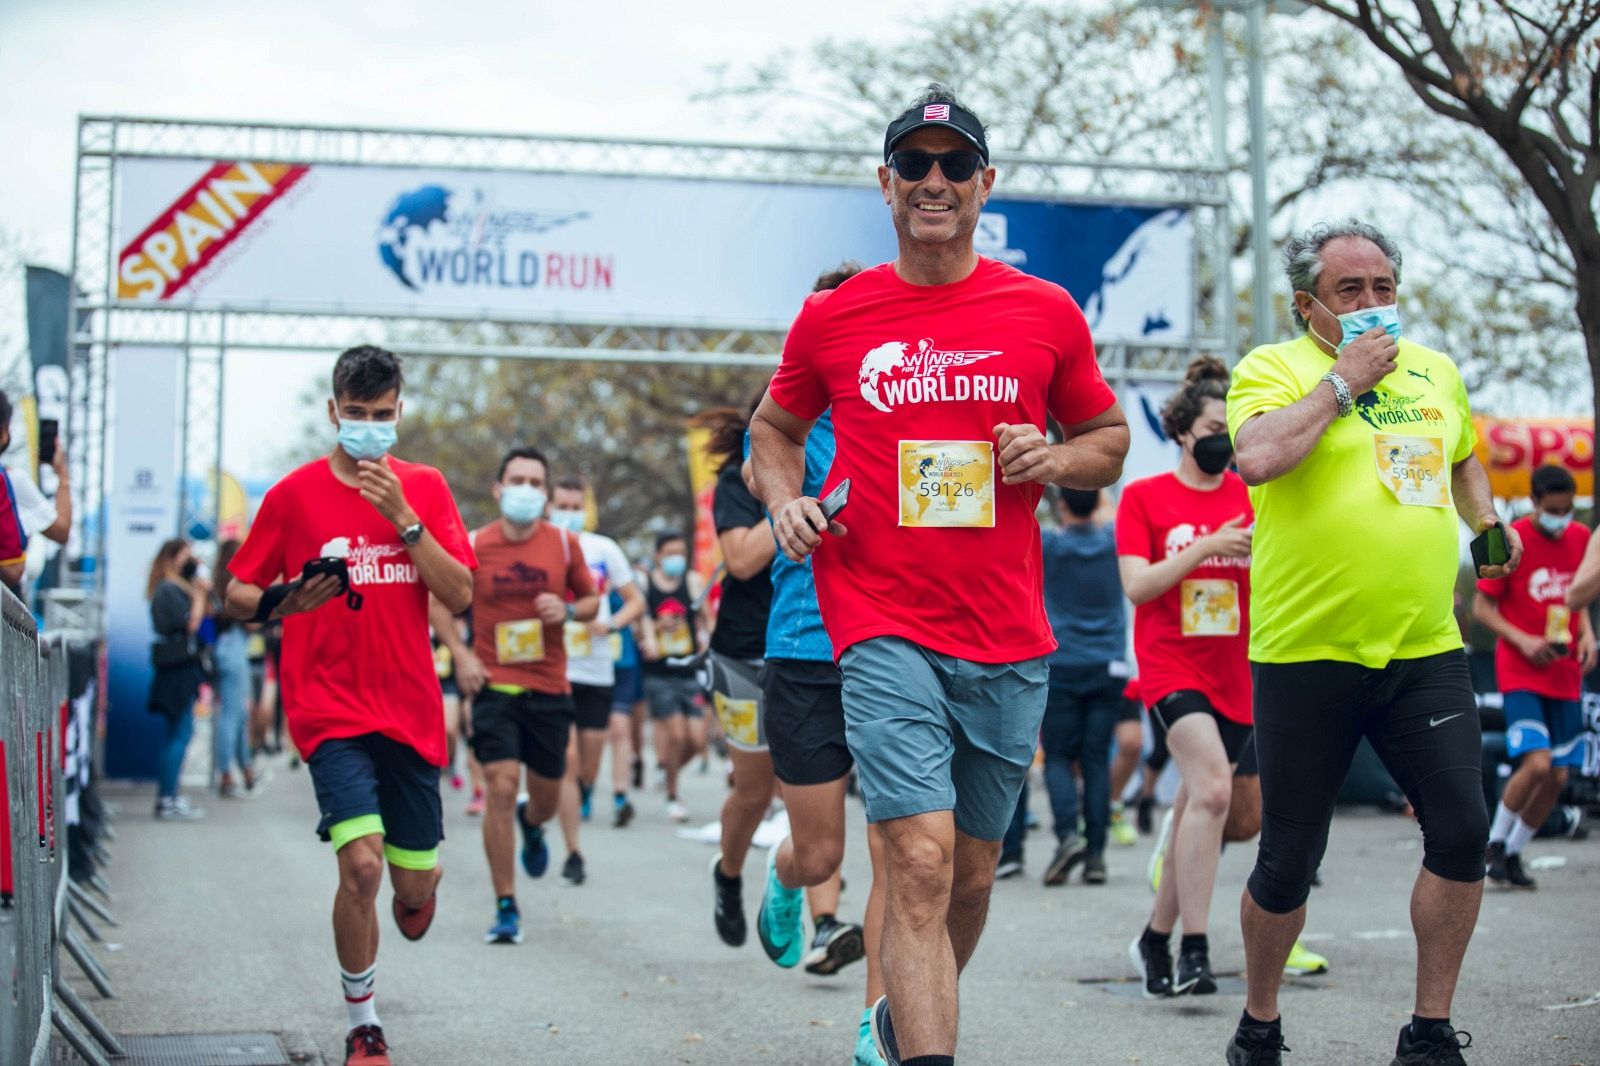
x,y
535,852
866,1050
778,923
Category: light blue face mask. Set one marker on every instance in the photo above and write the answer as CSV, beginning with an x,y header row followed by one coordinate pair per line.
x,y
674,565
366,440
521,504
1355,323
571,521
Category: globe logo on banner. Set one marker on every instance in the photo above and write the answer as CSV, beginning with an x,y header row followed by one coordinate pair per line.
x,y
428,240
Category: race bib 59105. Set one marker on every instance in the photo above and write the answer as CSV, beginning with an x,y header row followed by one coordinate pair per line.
x,y
1413,469
947,484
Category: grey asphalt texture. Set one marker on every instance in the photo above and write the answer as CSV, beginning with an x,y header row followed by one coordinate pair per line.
x,y
225,928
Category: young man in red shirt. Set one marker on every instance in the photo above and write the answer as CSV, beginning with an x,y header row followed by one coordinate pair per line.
x,y
1545,648
940,368
531,581
359,690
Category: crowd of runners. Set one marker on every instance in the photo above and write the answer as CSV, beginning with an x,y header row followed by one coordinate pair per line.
x,y
889,618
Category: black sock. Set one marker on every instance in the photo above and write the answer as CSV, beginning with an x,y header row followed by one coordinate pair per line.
x,y
1192,941
1274,1024
508,903
1422,1028
1160,940
930,1060
823,919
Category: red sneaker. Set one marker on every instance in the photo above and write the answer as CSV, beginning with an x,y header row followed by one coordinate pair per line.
x,y
414,923
365,1046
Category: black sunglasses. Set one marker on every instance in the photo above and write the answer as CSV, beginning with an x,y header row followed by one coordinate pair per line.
x,y
913,164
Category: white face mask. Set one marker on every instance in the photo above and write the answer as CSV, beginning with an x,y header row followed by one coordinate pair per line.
x,y
1554,524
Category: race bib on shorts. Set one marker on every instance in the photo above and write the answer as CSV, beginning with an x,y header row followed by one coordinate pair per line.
x,y
947,484
1557,622
1210,607
519,642
674,637
1413,469
442,662
738,718
616,647
579,644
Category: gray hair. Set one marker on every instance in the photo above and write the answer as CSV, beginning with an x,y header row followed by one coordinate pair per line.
x,y
1302,256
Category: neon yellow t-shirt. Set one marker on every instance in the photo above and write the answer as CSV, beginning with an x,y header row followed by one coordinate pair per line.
x,y
1356,549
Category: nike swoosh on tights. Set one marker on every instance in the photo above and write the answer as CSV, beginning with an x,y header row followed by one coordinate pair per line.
x,y
1441,721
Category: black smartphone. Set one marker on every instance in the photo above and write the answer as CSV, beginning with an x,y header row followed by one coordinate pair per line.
x,y
49,429
1489,548
339,568
834,501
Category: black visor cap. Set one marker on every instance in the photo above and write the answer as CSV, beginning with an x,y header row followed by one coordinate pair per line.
x,y
938,113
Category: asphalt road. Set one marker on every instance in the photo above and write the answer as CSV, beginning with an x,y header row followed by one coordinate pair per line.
x,y
225,928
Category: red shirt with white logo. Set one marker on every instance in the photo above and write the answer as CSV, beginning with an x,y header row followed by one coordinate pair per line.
x,y
939,551
1534,599
345,673
1196,635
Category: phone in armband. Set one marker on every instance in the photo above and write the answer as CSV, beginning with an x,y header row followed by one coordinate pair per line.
x,y
834,502
1490,548
337,567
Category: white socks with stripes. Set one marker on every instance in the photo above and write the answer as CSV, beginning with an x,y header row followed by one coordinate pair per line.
x,y
358,1002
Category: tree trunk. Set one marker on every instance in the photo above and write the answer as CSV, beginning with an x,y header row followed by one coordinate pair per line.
x,y
1588,307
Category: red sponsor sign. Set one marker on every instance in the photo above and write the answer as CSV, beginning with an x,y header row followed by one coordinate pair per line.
x,y
1510,449
198,225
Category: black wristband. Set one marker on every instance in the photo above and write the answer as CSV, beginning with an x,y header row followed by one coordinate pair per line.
x,y
271,597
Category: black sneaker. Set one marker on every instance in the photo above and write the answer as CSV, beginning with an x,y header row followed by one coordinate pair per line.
x,y
1094,870
572,870
836,945
1441,1047
1008,867
1145,815
1069,853
1194,974
728,910
883,1033
1256,1045
1494,862
1152,963
1515,874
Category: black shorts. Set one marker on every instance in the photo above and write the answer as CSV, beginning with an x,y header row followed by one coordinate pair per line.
x,y
674,694
592,704
1169,708
530,727
373,776
1249,765
1128,711
803,707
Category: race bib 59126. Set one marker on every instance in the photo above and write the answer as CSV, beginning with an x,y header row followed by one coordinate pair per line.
x,y
947,484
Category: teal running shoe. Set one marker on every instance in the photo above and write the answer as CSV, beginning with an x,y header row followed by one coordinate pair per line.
x,y
778,923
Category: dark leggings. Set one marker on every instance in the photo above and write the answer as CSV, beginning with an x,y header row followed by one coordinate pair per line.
x,y
1419,716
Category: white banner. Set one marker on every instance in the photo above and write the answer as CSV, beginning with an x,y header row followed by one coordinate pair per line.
x,y
661,250
141,512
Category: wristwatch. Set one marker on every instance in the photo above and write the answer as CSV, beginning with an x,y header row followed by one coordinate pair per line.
x,y
411,534
572,612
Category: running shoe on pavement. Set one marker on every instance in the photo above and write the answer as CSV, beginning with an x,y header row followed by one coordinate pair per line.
x,y
1152,963
177,809
535,852
414,922
1008,867
1515,875
1442,1046
778,922
1256,1045
727,911
364,1046
572,870
866,1050
1069,853
507,927
623,814
1194,973
836,945
883,1033
1122,833
475,804
1094,870
1158,857
677,811
1302,961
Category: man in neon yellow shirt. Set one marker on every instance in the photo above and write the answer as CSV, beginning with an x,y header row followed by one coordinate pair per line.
x,y
1357,445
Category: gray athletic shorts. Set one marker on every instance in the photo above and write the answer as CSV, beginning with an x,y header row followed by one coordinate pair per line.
x,y
930,732
736,697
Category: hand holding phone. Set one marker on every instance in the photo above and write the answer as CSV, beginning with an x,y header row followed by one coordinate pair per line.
x,y
49,430
834,501
1490,549
337,568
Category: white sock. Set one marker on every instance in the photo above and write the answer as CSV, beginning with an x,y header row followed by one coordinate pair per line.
x,y
1504,822
1519,837
359,1005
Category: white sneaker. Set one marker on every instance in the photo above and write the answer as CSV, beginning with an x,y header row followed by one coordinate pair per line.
x,y
677,811
177,809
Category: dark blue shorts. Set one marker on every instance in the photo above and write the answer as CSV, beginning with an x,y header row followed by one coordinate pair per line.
x,y
1535,722
358,779
628,689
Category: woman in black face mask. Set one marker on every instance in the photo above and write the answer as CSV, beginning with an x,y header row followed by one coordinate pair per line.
x,y
1183,548
177,596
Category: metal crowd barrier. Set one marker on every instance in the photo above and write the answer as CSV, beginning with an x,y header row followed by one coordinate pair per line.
x,y
35,897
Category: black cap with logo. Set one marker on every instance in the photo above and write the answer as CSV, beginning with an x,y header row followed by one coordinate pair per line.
x,y
938,113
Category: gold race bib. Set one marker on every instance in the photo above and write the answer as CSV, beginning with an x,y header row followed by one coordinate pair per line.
x,y
1557,620
1413,469
1210,607
674,636
579,644
519,642
947,484
738,718
442,662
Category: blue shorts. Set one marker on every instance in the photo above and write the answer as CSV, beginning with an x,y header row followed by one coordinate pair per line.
x,y
930,732
627,690
1542,723
372,785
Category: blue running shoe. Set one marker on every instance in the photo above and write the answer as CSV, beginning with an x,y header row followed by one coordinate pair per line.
x,y
866,1050
535,852
507,927
778,923
883,1033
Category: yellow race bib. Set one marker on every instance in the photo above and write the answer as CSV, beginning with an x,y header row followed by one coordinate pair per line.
x,y
738,718
442,662
579,644
519,642
1210,607
1557,620
616,646
947,484
1413,469
674,636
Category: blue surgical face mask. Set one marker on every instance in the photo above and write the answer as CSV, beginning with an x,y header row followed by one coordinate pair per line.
x,y
521,504
674,565
571,521
366,440
1554,524
1353,324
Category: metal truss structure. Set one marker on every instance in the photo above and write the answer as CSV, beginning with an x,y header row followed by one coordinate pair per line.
x,y
207,332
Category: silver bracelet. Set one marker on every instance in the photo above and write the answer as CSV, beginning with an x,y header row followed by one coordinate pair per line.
x,y
1341,393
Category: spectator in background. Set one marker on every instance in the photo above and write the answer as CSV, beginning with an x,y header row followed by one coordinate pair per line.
x,y
178,598
230,744
24,510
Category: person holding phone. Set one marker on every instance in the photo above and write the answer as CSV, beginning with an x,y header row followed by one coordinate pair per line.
x,y
1357,445
1543,651
24,510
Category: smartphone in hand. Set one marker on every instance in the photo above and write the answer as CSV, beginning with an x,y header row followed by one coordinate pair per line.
x,y
834,501
49,429
1489,548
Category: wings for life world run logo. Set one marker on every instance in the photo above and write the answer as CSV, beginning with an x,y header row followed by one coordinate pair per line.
x,y
439,238
893,374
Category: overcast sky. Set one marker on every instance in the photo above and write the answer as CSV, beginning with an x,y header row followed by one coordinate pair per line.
x,y
611,69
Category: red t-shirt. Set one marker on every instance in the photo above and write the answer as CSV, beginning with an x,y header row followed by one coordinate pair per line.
x,y
508,637
345,673
1534,599
939,552
1196,635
